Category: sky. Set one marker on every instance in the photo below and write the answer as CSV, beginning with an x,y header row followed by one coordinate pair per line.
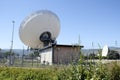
x,y
94,22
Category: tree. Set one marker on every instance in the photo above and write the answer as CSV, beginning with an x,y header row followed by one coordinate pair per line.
x,y
92,55
113,55
10,56
33,55
6,54
0,53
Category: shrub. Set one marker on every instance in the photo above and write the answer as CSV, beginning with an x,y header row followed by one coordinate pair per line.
x,y
115,71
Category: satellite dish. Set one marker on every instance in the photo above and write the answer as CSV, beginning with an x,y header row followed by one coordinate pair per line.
x,y
39,29
105,50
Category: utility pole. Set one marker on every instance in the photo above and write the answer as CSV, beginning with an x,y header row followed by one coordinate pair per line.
x,y
23,56
11,49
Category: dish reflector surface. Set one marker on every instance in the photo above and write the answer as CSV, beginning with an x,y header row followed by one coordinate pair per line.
x,y
35,25
105,50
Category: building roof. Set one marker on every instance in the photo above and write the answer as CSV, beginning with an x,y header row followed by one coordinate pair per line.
x,y
60,45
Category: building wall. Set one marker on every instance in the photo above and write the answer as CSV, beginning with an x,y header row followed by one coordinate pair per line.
x,y
66,54
46,56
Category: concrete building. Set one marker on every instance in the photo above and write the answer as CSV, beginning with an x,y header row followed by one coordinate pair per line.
x,y
60,54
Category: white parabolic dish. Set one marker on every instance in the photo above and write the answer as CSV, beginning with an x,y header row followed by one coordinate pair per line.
x,y
105,50
37,23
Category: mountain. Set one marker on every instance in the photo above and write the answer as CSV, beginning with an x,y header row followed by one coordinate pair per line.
x,y
17,51
86,52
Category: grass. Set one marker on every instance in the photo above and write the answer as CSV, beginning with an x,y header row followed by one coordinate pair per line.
x,y
98,71
81,71
109,71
